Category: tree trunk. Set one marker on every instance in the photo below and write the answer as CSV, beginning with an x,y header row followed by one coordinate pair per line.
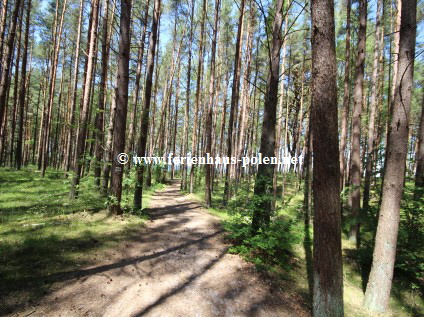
x,y
102,92
263,184
122,81
377,294
327,258
74,93
187,107
234,102
3,29
142,141
208,125
373,110
7,60
15,89
196,108
136,91
346,100
79,153
355,194
108,147
419,158
53,71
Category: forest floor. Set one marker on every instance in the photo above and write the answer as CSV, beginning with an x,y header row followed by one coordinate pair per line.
x,y
175,265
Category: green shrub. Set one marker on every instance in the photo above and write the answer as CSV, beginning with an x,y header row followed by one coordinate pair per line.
x,y
270,246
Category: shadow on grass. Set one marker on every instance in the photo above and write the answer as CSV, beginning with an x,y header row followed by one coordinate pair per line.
x,y
28,270
360,262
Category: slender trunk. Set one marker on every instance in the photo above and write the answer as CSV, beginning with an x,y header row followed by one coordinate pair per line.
x,y
346,100
208,125
419,158
187,107
194,142
263,184
234,102
373,110
280,112
102,92
3,22
122,81
53,71
355,194
7,60
79,153
131,133
74,92
142,141
15,89
108,147
377,294
177,96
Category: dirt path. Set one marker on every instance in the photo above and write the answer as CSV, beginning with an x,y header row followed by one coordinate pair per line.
x,y
177,267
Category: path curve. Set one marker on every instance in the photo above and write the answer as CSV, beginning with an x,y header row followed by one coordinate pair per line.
x,y
178,266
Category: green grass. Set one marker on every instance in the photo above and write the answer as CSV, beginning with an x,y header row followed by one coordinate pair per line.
x,y
43,233
405,300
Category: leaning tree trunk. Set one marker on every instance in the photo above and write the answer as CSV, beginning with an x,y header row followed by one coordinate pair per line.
x,y
377,294
122,81
355,194
327,258
263,184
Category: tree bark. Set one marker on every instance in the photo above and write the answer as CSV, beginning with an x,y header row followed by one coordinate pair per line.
x,y
7,60
419,158
79,153
74,93
184,166
122,81
142,141
355,193
102,91
377,294
136,91
197,104
208,125
234,102
373,110
50,102
346,99
327,257
263,184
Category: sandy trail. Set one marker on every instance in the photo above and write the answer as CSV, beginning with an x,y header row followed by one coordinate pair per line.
x,y
178,266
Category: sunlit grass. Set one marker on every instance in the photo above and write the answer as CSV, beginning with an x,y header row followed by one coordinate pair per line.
x,y
43,232
405,301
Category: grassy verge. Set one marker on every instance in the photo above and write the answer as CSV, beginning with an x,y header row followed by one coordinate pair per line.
x,y
42,232
282,252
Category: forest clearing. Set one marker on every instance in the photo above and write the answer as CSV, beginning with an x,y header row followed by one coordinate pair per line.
x,y
211,158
